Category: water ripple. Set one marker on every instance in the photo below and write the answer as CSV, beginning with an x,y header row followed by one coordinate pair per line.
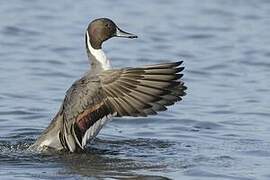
x,y
219,131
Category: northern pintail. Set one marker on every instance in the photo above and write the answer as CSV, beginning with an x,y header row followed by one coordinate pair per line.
x,y
105,92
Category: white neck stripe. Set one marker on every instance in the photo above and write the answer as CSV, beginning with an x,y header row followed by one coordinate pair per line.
x,y
98,54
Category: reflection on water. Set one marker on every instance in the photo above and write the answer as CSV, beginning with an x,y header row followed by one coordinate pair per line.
x,y
219,131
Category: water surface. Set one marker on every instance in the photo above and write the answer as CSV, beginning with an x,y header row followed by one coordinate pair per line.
x,y
220,130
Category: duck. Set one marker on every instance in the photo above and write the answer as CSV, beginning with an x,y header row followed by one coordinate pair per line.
x,y
104,92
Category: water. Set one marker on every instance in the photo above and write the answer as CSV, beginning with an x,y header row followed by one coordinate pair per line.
x,y
219,131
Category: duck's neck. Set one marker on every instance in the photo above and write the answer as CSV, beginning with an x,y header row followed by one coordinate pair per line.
x,y
99,61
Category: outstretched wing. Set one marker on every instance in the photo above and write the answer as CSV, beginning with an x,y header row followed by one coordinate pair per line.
x,y
92,100
143,91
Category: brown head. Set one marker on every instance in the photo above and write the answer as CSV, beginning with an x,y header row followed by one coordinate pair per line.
x,y
103,29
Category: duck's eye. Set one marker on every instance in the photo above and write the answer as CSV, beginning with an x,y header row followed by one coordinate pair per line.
x,y
107,25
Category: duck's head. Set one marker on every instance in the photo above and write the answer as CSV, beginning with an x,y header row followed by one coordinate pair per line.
x,y
102,29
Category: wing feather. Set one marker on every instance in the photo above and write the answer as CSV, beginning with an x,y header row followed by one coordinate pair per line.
x,y
143,91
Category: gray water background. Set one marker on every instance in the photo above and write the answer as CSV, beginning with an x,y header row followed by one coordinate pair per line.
x,y
220,130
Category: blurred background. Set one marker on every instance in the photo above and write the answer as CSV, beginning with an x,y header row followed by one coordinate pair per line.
x,y
219,131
